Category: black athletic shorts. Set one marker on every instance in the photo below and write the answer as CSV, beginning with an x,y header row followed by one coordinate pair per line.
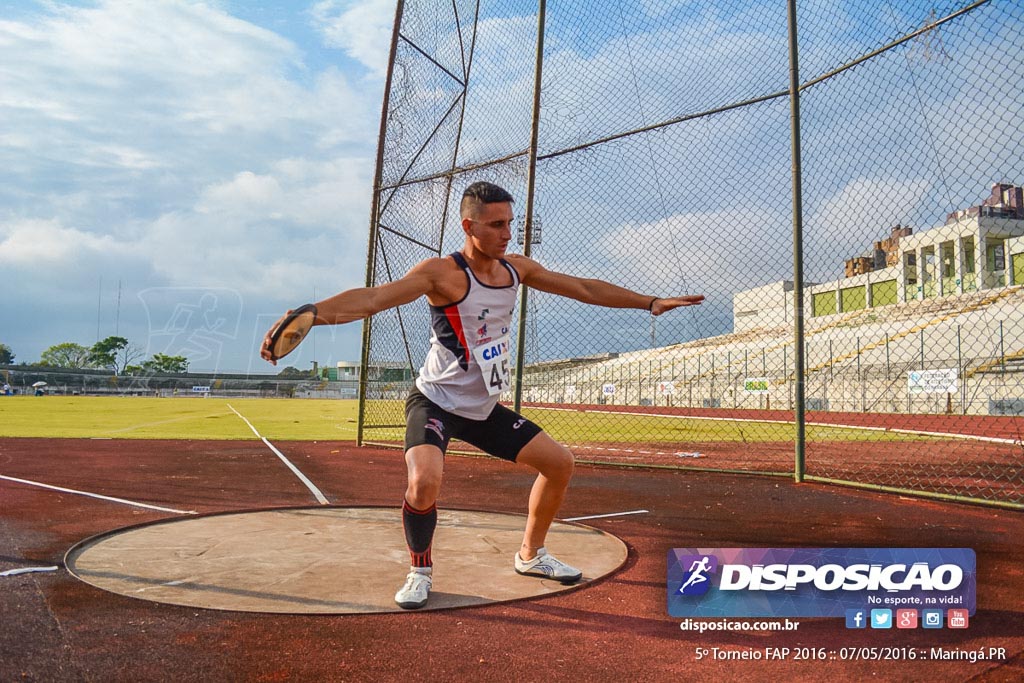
x,y
503,434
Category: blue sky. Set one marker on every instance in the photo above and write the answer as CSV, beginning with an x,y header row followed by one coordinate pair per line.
x,y
181,172
705,206
172,151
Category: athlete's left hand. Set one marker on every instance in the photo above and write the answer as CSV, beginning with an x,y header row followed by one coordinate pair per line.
x,y
662,305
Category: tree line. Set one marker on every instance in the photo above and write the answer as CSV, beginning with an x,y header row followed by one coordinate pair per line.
x,y
119,356
113,353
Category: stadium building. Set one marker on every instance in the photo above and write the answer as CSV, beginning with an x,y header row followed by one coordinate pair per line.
x,y
978,248
927,322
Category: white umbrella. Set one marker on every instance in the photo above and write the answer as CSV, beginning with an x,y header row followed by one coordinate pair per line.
x,y
39,384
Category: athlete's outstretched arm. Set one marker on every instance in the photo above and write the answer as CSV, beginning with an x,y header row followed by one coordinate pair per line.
x,y
591,291
362,302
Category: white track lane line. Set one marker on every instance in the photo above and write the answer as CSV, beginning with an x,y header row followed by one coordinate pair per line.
x,y
610,514
914,432
28,570
309,485
96,495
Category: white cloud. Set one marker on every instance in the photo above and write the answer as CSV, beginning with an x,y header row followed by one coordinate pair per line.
x,y
46,244
247,191
653,73
868,201
74,62
269,234
698,251
721,252
172,141
170,144
138,86
144,111
299,192
200,39
362,29
847,223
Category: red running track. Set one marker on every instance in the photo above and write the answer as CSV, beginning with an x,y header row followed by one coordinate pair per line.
x,y
56,628
994,426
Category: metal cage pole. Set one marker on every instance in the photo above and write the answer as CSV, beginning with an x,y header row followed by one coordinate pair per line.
x,y
798,248
371,247
467,67
530,185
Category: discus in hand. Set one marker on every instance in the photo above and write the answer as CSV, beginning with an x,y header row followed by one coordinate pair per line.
x,y
293,329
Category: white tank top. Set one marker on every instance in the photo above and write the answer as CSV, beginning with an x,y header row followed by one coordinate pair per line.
x,y
469,362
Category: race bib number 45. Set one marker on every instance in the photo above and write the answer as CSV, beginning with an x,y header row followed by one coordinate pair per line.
x,y
492,358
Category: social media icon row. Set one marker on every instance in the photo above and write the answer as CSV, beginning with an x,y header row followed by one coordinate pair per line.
x,y
905,618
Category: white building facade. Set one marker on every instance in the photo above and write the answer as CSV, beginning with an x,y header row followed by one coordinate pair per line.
x,y
977,249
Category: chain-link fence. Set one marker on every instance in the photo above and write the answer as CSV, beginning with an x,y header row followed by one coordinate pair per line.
x,y
661,152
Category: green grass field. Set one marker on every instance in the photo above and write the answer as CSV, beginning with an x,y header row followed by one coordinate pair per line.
x,y
176,418
335,420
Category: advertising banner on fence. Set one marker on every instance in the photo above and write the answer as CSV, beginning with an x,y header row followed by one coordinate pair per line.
x,y
755,385
945,381
817,582
666,389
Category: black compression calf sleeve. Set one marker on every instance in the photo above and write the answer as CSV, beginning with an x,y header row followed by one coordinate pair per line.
x,y
419,532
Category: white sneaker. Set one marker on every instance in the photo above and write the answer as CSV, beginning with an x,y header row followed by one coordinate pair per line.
x,y
548,567
414,593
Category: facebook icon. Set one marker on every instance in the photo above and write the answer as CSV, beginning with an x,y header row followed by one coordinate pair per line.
x,y
856,618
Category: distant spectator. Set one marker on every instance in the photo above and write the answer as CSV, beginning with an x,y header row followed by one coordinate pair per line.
x,y
7,389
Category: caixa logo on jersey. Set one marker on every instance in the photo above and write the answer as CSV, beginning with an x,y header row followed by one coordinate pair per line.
x,y
816,582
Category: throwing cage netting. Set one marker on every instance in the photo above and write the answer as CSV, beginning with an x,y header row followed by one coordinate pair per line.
x,y
663,146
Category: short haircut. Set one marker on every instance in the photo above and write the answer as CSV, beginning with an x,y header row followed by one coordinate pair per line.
x,y
480,193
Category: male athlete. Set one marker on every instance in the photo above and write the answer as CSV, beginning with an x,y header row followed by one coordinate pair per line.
x,y
472,296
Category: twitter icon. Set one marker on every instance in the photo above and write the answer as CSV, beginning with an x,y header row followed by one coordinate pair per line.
x,y
881,618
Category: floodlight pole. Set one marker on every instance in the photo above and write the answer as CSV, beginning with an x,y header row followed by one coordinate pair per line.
x,y
371,247
798,248
530,185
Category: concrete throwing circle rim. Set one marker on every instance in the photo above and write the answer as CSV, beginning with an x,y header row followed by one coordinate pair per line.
x,y
338,580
